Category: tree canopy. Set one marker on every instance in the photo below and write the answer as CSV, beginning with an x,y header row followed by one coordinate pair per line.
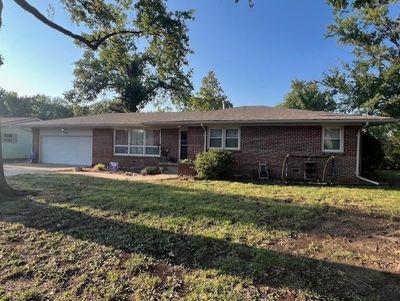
x,y
307,95
210,97
136,68
39,106
371,83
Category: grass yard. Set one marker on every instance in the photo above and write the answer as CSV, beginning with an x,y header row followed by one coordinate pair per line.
x,y
82,238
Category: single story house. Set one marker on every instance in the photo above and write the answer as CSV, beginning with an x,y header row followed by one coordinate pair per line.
x,y
16,141
295,144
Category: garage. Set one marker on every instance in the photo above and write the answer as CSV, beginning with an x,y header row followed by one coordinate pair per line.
x,y
66,148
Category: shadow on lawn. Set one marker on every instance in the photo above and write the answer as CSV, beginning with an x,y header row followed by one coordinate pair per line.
x,y
264,266
163,200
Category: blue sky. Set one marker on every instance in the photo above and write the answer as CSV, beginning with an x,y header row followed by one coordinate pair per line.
x,y
255,52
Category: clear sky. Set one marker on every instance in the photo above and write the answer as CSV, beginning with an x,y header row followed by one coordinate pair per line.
x,y
255,52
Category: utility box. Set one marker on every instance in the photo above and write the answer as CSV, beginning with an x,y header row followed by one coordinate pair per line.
x,y
310,170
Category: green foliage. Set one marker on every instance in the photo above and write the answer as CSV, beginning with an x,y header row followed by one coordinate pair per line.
x,y
150,170
39,106
308,96
389,137
371,83
135,67
372,153
99,167
392,150
214,165
100,107
210,97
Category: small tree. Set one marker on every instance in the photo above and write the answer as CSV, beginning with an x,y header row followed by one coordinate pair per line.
x,y
210,97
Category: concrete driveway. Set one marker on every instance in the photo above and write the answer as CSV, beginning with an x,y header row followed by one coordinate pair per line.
x,y
23,168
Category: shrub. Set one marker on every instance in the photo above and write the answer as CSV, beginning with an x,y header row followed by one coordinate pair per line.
x,y
99,167
150,170
214,165
392,150
371,153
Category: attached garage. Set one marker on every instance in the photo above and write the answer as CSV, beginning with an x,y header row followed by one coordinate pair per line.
x,y
73,147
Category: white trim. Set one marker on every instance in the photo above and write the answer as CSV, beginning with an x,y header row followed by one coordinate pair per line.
x,y
129,143
180,130
223,137
341,139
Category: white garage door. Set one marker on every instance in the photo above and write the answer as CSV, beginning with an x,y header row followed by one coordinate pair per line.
x,y
66,150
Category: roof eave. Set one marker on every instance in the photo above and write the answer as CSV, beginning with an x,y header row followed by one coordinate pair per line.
x,y
207,122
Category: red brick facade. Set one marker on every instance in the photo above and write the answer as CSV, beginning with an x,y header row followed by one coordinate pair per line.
x,y
169,141
272,144
35,144
195,141
268,144
103,152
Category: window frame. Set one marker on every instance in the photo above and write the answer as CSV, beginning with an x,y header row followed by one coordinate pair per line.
x,y
129,145
341,139
223,137
12,136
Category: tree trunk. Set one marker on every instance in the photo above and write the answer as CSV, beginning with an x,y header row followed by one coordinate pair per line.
x,y
6,191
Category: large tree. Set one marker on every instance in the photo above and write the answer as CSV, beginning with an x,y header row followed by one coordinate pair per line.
x,y
210,97
136,70
307,95
102,22
371,83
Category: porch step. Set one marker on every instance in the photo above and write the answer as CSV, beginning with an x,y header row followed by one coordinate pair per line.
x,y
169,167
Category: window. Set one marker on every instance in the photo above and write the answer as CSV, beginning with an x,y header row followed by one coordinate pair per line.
x,y
224,138
216,138
10,138
332,139
136,142
231,138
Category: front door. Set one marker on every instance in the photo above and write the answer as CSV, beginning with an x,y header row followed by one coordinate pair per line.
x,y
183,144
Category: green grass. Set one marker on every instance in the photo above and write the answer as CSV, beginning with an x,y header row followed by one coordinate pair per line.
x,y
82,238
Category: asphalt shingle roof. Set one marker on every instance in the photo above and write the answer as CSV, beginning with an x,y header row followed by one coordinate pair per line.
x,y
242,115
16,120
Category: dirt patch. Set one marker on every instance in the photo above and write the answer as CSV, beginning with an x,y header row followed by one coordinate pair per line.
x,y
124,177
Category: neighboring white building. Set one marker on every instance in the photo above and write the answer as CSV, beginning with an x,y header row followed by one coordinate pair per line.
x,y
15,140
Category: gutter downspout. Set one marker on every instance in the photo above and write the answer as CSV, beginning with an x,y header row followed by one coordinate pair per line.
x,y
358,165
205,137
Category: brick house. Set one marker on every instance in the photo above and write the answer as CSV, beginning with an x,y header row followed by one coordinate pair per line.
x,y
295,144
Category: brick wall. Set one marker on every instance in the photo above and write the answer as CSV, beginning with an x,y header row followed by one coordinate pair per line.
x,y
258,144
195,141
272,143
169,140
103,152
36,144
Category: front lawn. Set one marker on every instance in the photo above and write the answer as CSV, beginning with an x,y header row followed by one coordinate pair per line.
x,y
83,238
